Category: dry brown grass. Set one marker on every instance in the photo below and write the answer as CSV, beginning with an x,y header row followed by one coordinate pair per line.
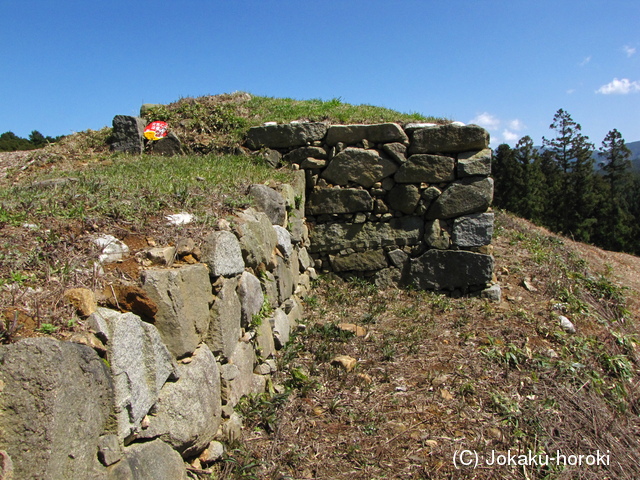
x,y
437,375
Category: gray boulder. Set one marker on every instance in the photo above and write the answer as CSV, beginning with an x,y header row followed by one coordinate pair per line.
x,y
469,195
426,168
183,296
153,460
188,412
333,237
284,278
376,133
284,241
397,151
267,200
222,253
359,261
270,288
364,167
281,326
474,163
127,135
226,314
237,376
140,364
285,136
299,155
449,138
167,146
56,399
404,198
257,237
435,236
339,200
473,230
251,297
272,157
449,269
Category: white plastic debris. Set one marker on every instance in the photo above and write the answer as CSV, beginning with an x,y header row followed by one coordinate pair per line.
x,y
457,124
179,218
112,248
267,124
566,324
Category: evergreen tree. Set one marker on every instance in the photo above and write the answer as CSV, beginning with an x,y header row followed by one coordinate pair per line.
x,y
37,139
577,199
617,224
616,162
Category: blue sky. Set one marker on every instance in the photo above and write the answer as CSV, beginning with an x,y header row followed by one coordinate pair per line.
x,y
508,65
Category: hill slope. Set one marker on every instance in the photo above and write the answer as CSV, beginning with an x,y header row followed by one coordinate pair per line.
x,y
434,375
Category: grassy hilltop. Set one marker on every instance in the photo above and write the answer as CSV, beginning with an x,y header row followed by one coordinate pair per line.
x,y
435,375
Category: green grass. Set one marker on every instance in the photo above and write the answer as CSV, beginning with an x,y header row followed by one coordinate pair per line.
x,y
220,122
133,189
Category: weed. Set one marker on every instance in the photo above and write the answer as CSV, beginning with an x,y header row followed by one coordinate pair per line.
x,y
47,328
9,328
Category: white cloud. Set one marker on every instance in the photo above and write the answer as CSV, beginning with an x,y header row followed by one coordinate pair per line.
x,y
486,120
516,125
621,87
571,91
585,61
630,51
510,136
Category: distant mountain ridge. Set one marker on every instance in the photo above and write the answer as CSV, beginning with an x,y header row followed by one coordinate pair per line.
x,y
635,156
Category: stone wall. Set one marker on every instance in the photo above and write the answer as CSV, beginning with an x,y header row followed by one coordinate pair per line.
x,y
400,205
156,386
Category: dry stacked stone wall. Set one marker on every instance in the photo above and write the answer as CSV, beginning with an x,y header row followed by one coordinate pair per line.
x,y
401,205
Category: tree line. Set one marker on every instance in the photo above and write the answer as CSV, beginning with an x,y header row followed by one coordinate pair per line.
x,y
557,186
10,142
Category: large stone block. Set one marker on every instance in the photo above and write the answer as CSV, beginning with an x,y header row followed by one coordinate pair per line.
x,y
449,138
474,163
257,237
359,261
333,237
404,198
449,269
167,146
426,168
188,412
127,135
339,200
237,376
183,296
285,136
284,241
153,460
56,399
473,230
140,364
376,133
267,200
364,167
226,314
281,326
299,155
221,251
284,279
251,297
469,195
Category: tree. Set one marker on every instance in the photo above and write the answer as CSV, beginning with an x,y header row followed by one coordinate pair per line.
x,y
616,161
37,139
617,225
572,152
